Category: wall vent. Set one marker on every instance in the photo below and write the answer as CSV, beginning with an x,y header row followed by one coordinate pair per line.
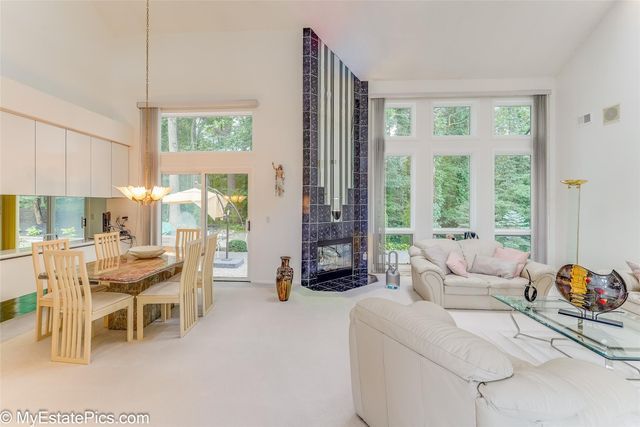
x,y
585,119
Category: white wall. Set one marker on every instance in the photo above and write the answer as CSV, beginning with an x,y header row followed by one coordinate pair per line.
x,y
201,68
604,71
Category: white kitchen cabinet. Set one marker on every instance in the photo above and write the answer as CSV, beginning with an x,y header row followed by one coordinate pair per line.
x,y
50,160
119,168
17,155
78,164
100,168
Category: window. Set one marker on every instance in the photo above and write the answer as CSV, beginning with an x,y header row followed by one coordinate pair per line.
x,y
45,217
181,209
206,132
398,192
398,121
452,120
451,193
512,120
513,200
399,243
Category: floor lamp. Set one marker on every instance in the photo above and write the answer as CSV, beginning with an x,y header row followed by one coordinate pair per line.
x,y
576,183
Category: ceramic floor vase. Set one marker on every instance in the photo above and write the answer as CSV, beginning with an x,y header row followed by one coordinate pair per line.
x,y
590,291
284,279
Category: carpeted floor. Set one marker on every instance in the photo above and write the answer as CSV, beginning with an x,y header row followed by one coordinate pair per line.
x,y
253,361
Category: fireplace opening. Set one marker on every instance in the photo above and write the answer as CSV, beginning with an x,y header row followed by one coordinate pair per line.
x,y
335,259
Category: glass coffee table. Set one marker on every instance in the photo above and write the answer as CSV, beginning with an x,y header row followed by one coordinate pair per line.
x,y
611,342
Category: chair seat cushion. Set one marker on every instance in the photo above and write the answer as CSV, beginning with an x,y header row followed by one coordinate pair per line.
x,y
100,300
163,289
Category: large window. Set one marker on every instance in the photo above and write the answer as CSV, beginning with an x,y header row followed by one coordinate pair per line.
x,y
512,203
473,170
206,132
451,193
181,209
44,217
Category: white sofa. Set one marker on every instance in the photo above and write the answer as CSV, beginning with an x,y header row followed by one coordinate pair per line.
x,y
411,366
473,292
633,300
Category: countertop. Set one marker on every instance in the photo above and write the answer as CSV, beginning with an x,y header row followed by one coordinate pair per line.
x,y
24,252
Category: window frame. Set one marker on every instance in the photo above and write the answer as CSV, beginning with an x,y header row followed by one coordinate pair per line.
x,y
511,103
410,105
206,113
473,116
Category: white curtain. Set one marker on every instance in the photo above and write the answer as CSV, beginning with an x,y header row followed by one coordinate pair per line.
x,y
376,184
148,227
540,136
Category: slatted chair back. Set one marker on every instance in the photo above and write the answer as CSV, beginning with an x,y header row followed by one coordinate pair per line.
x,y
189,287
183,237
37,249
71,337
107,245
207,273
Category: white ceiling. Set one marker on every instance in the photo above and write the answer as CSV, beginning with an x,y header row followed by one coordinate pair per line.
x,y
394,40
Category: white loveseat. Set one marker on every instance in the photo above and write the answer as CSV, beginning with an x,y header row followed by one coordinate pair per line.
x,y
633,300
473,292
412,366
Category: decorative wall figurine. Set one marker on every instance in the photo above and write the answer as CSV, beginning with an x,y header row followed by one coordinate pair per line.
x,y
279,179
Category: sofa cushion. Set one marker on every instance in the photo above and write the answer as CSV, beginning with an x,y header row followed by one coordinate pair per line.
x,y
457,264
472,247
510,254
472,285
494,267
460,352
562,388
438,256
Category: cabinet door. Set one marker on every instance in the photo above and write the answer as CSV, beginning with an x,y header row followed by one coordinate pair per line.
x,y
119,168
100,168
78,164
17,155
50,160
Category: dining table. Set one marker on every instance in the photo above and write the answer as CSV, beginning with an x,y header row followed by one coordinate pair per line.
x,y
130,275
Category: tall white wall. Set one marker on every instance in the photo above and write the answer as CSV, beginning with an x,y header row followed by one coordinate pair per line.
x,y
604,71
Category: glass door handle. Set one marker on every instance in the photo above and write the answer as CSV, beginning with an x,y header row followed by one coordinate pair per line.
x,y
248,225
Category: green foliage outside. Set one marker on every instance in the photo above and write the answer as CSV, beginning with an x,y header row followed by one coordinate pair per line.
x,y
452,121
451,192
209,133
513,120
237,246
522,243
33,231
513,192
397,121
398,192
397,242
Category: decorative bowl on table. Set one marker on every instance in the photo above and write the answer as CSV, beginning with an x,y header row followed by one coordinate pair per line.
x,y
145,252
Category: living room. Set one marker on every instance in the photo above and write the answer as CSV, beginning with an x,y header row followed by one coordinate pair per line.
x,y
393,206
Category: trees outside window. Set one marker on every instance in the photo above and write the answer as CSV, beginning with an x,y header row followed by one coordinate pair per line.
x,y
206,132
451,192
512,120
398,192
452,120
398,121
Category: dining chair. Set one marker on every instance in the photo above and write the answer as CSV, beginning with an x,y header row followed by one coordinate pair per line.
x,y
183,237
44,299
205,274
183,293
75,307
107,245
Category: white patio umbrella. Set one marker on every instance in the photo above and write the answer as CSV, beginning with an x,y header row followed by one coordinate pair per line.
x,y
216,203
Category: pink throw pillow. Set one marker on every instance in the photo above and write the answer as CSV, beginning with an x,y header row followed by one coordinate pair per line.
x,y
457,264
514,255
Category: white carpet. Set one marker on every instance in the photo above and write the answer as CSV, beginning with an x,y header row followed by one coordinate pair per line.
x,y
252,362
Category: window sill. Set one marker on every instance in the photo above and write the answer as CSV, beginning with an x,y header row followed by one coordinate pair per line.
x,y
25,252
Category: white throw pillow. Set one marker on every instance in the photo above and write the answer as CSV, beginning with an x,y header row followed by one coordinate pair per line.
x,y
494,267
438,256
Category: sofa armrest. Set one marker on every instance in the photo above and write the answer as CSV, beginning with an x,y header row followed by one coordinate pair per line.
x,y
537,270
419,264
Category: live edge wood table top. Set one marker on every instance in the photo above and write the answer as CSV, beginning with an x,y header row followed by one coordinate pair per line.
x,y
127,269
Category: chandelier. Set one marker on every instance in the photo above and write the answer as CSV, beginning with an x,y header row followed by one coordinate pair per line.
x,y
145,195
